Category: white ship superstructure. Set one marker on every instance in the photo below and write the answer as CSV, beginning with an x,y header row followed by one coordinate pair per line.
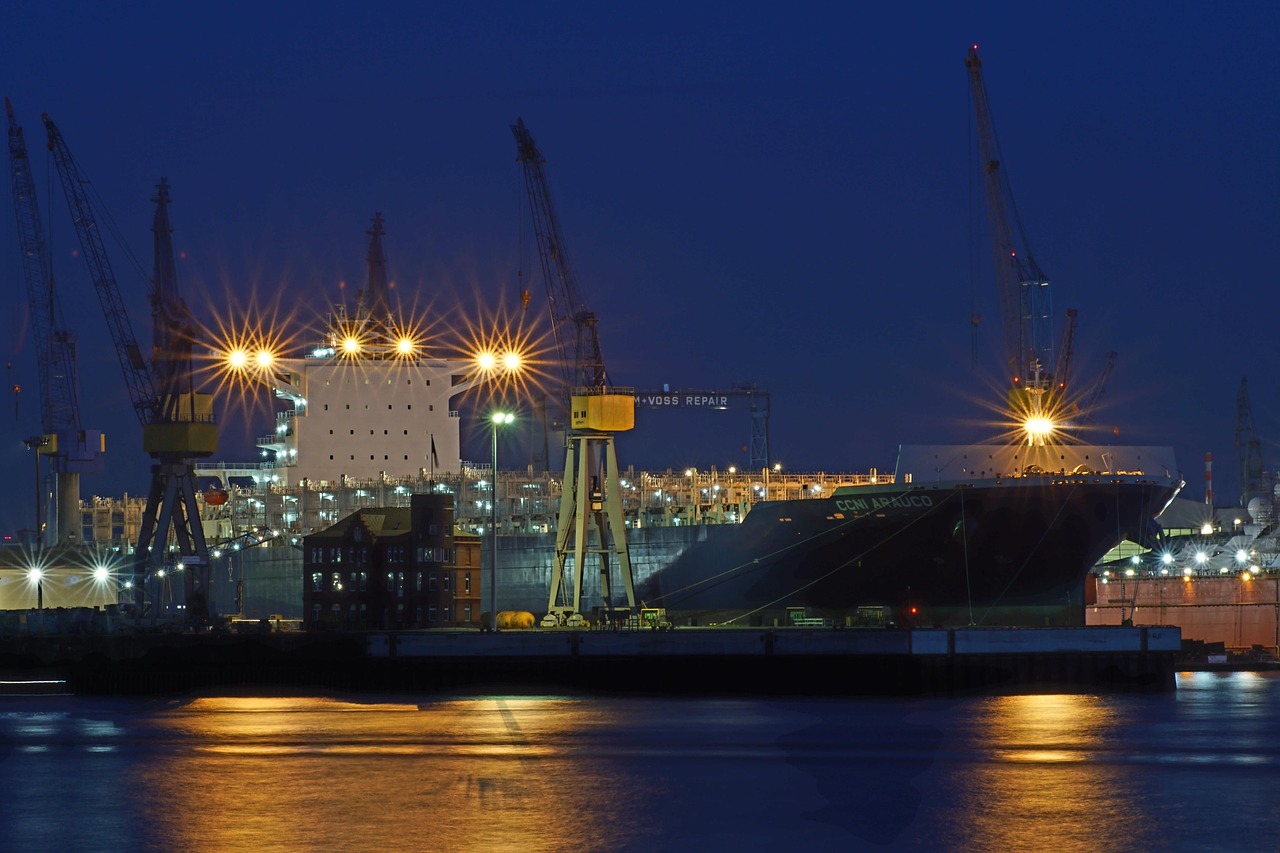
x,y
365,418
367,402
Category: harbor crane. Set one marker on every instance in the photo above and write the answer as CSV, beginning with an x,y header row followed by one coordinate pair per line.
x,y
177,421
592,498
1254,482
1037,381
72,450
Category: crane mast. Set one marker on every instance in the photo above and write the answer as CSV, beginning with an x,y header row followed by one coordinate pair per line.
x,y
137,377
591,521
177,421
1023,288
573,326
72,449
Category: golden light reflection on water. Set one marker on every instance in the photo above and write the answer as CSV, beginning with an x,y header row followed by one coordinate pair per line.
x,y
307,773
1045,783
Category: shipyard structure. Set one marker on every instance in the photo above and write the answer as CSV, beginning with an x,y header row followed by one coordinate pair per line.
x,y
360,512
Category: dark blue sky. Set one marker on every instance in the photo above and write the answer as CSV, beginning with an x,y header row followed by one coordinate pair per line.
x,y
782,196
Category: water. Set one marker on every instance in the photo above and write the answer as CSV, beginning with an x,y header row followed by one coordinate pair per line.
x,y
1191,770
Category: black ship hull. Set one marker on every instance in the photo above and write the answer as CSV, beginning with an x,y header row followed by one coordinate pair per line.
x,y
984,552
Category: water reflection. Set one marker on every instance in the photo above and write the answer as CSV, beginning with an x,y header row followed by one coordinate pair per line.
x,y
322,773
1045,775
1193,768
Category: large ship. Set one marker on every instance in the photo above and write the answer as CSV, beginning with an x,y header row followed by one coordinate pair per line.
x,y
980,534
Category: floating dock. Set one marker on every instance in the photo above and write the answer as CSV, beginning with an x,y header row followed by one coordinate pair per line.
x,y
693,661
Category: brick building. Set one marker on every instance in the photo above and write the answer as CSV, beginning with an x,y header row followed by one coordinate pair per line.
x,y
393,567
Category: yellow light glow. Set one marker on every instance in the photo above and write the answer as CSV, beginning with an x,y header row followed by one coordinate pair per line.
x,y
512,361
1038,427
264,358
486,361
351,345
237,359
405,346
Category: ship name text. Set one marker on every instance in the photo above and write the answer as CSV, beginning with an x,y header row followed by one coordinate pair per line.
x,y
868,504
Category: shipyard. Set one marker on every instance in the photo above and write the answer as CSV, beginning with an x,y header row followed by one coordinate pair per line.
x,y
336,529
632,427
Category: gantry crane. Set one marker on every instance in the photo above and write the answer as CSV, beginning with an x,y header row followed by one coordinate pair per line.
x,y
177,421
72,449
1253,480
597,410
1037,382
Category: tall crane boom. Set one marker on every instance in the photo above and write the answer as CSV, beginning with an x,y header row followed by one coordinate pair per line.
x,y
1024,289
72,449
591,521
573,326
55,347
177,421
137,377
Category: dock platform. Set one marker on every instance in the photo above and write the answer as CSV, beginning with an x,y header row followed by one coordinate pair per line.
x,y
707,661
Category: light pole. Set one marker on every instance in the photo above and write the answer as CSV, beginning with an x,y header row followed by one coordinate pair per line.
x,y
37,575
692,474
496,419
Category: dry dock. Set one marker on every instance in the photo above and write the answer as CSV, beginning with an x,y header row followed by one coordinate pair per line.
x,y
723,661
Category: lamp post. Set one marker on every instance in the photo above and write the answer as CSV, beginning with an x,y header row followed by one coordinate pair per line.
x,y
496,419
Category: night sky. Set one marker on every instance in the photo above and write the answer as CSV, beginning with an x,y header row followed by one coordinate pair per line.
x,y
781,195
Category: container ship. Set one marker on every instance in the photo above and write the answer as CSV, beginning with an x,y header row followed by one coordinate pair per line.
x,y
967,535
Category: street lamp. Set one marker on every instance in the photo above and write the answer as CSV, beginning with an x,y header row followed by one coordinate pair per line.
x,y
37,576
497,419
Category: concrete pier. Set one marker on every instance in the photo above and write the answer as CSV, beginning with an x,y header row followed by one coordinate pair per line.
x,y
694,661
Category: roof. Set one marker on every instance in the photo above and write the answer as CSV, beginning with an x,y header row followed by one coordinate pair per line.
x,y
379,521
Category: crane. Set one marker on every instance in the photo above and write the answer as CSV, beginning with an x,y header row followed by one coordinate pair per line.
x,y
1253,480
177,421
597,410
1025,308
72,449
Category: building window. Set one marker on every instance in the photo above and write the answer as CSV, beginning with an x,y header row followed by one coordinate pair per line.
x,y
466,582
467,610
391,581
417,581
431,614
336,581
317,582
431,582
315,612
400,586
446,581
364,581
